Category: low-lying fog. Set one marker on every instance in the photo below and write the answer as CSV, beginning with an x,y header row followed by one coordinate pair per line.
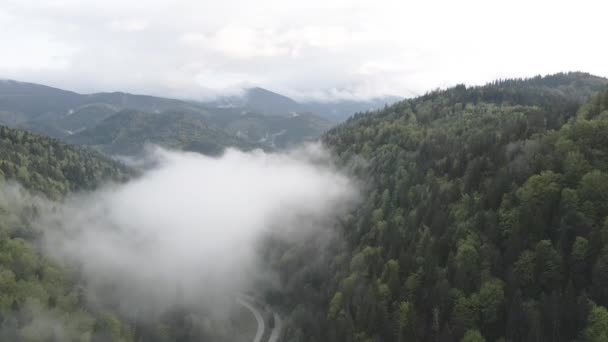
x,y
187,230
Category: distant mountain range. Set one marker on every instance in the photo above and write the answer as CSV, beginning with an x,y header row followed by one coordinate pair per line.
x,y
267,102
111,122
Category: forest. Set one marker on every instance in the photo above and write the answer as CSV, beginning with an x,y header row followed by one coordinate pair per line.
x,y
40,301
485,219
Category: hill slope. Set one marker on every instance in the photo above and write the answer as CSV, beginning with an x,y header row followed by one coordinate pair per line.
x,y
38,300
485,215
50,167
274,131
128,131
261,101
35,102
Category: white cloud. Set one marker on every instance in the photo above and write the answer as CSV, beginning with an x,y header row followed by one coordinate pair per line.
x,y
28,47
191,225
130,25
338,48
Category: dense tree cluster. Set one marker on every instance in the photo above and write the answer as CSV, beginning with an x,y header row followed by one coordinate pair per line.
x,y
50,167
38,300
485,219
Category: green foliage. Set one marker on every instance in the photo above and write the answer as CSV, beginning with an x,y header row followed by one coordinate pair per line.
x,y
593,192
473,336
491,301
335,305
524,270
483,216
597,329
465,313
37,301
50,167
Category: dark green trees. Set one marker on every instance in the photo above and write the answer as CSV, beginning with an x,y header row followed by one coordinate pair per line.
x,y
484,218
50,167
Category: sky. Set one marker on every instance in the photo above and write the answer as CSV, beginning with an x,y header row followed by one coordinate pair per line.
x,y
315,49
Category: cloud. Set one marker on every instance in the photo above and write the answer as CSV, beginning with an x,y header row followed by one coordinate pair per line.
x,y
316,49
131,25
188,230
242,43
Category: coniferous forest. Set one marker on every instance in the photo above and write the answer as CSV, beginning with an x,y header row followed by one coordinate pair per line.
x,y
483,217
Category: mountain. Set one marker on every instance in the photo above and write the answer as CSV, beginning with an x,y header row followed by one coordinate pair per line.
x,y
29,101
483,217
261,101
128,131
86,116
58,113
260,118
338,111
275,131
265,101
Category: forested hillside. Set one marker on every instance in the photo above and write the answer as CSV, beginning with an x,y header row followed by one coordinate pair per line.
x,y
276,132
50,167
39,301
128,131
485,217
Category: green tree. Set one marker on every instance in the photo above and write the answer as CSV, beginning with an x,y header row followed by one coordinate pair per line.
x,y
597,326
524,271
579,262
335,305
548,266
491,301
473,336
465,314
539,198
593,191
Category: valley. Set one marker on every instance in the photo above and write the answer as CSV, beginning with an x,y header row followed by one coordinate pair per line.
x,y
313,171
483,214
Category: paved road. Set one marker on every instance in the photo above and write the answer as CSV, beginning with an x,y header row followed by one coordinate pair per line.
x,y
278,323
258,317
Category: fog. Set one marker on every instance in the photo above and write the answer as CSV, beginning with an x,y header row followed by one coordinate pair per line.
x,y
188,230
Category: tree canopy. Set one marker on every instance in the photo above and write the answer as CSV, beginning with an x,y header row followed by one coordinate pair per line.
x,y
485,218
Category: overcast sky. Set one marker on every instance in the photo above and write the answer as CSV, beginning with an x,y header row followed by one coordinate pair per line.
x,y
327,49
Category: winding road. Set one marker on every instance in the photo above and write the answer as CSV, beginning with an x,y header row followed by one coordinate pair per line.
x,y
249,303
278,323
258,318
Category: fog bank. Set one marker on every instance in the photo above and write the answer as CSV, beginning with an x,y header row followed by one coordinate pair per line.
x,y
186,232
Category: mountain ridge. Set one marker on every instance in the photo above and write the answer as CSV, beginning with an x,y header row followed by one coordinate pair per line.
x,y
60,114
482,216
